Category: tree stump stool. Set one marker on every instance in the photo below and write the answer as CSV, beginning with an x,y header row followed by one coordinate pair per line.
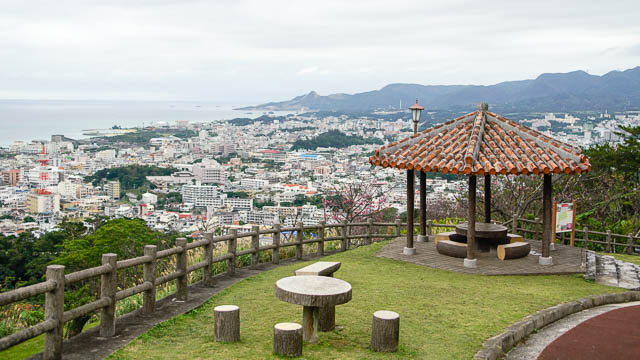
x,y
287,339
385,331
226,320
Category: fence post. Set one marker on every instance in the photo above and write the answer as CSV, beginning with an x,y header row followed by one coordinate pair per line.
x,y
231,250
537,228
275,254
255,244
321,239
299,237
207,271
609,241
345,240
398,223
108,288
585,231
181,265
514,224
149,275
630,244
429,228
369,238
54,310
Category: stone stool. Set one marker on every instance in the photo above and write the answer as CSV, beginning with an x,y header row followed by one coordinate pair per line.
x,y
226,320
287,339
385,331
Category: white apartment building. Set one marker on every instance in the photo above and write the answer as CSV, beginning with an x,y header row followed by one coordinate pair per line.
x,y
282,210
202,196
260,217
209,171
68,189
149,198
254,184
239,204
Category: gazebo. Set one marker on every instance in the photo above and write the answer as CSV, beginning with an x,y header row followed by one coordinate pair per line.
x,y
475,144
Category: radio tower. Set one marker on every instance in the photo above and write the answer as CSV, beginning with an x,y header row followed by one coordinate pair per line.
x,y
44,175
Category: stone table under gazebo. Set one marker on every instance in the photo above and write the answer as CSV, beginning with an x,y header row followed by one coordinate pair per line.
x,y
480,143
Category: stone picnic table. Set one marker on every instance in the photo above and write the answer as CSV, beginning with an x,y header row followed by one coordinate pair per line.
x,y
312,292
488,235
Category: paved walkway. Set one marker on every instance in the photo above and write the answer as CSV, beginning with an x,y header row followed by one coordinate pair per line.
x,y
566,260
605,332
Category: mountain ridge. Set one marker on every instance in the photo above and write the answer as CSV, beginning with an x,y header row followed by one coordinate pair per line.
x,y
571,91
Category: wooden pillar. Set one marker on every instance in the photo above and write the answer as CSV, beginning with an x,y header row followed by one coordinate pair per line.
x,y
231,251
409,249
275,255
471,231
546,222
423,208
149,275
255,244
207,271
108,289
181,266
54,310
321,237
299,239
487,198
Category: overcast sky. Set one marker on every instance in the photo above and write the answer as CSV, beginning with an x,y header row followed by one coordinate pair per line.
x,y
254,51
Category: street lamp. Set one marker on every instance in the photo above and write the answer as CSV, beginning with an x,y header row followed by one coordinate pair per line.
x,y
415,112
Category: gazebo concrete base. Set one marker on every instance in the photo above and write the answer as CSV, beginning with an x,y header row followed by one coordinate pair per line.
x,y
545,260
409,251
422,238
470,263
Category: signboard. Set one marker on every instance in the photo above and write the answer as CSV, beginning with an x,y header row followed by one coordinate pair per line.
x,y
565,217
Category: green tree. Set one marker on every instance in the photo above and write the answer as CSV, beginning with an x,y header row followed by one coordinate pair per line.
x,y
124,237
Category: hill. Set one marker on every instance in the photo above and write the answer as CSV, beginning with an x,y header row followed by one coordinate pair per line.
x,y
577,90
333,139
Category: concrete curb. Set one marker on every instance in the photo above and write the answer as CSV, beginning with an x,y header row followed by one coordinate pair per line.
x,y
498,345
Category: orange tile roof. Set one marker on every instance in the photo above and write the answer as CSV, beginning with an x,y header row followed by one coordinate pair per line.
x,y
481,143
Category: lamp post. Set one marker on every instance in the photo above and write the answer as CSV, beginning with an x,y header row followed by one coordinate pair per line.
x,y
415,112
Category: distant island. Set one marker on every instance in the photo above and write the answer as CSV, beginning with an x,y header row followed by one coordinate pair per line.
x,y
560,92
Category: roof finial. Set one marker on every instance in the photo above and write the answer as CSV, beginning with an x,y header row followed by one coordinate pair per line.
x,y
483,106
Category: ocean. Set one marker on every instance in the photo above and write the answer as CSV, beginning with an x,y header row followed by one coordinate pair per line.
x,y
38,120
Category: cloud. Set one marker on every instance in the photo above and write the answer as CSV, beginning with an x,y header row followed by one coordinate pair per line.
x,y
314,70
258,50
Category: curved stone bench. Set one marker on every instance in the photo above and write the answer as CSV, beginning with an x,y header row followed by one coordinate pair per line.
x,y
452,248
514,250
443,236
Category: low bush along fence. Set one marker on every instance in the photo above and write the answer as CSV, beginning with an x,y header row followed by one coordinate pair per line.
x,y
585,238
196,261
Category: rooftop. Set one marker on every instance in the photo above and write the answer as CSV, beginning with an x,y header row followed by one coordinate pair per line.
x,y
478,143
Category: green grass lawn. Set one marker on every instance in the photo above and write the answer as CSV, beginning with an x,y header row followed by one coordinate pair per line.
x,y
443,315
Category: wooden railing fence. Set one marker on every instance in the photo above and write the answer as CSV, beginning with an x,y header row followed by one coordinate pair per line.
x,y
608,241
54,286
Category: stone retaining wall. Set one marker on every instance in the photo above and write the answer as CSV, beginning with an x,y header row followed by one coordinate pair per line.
x,y
606,270
496,346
